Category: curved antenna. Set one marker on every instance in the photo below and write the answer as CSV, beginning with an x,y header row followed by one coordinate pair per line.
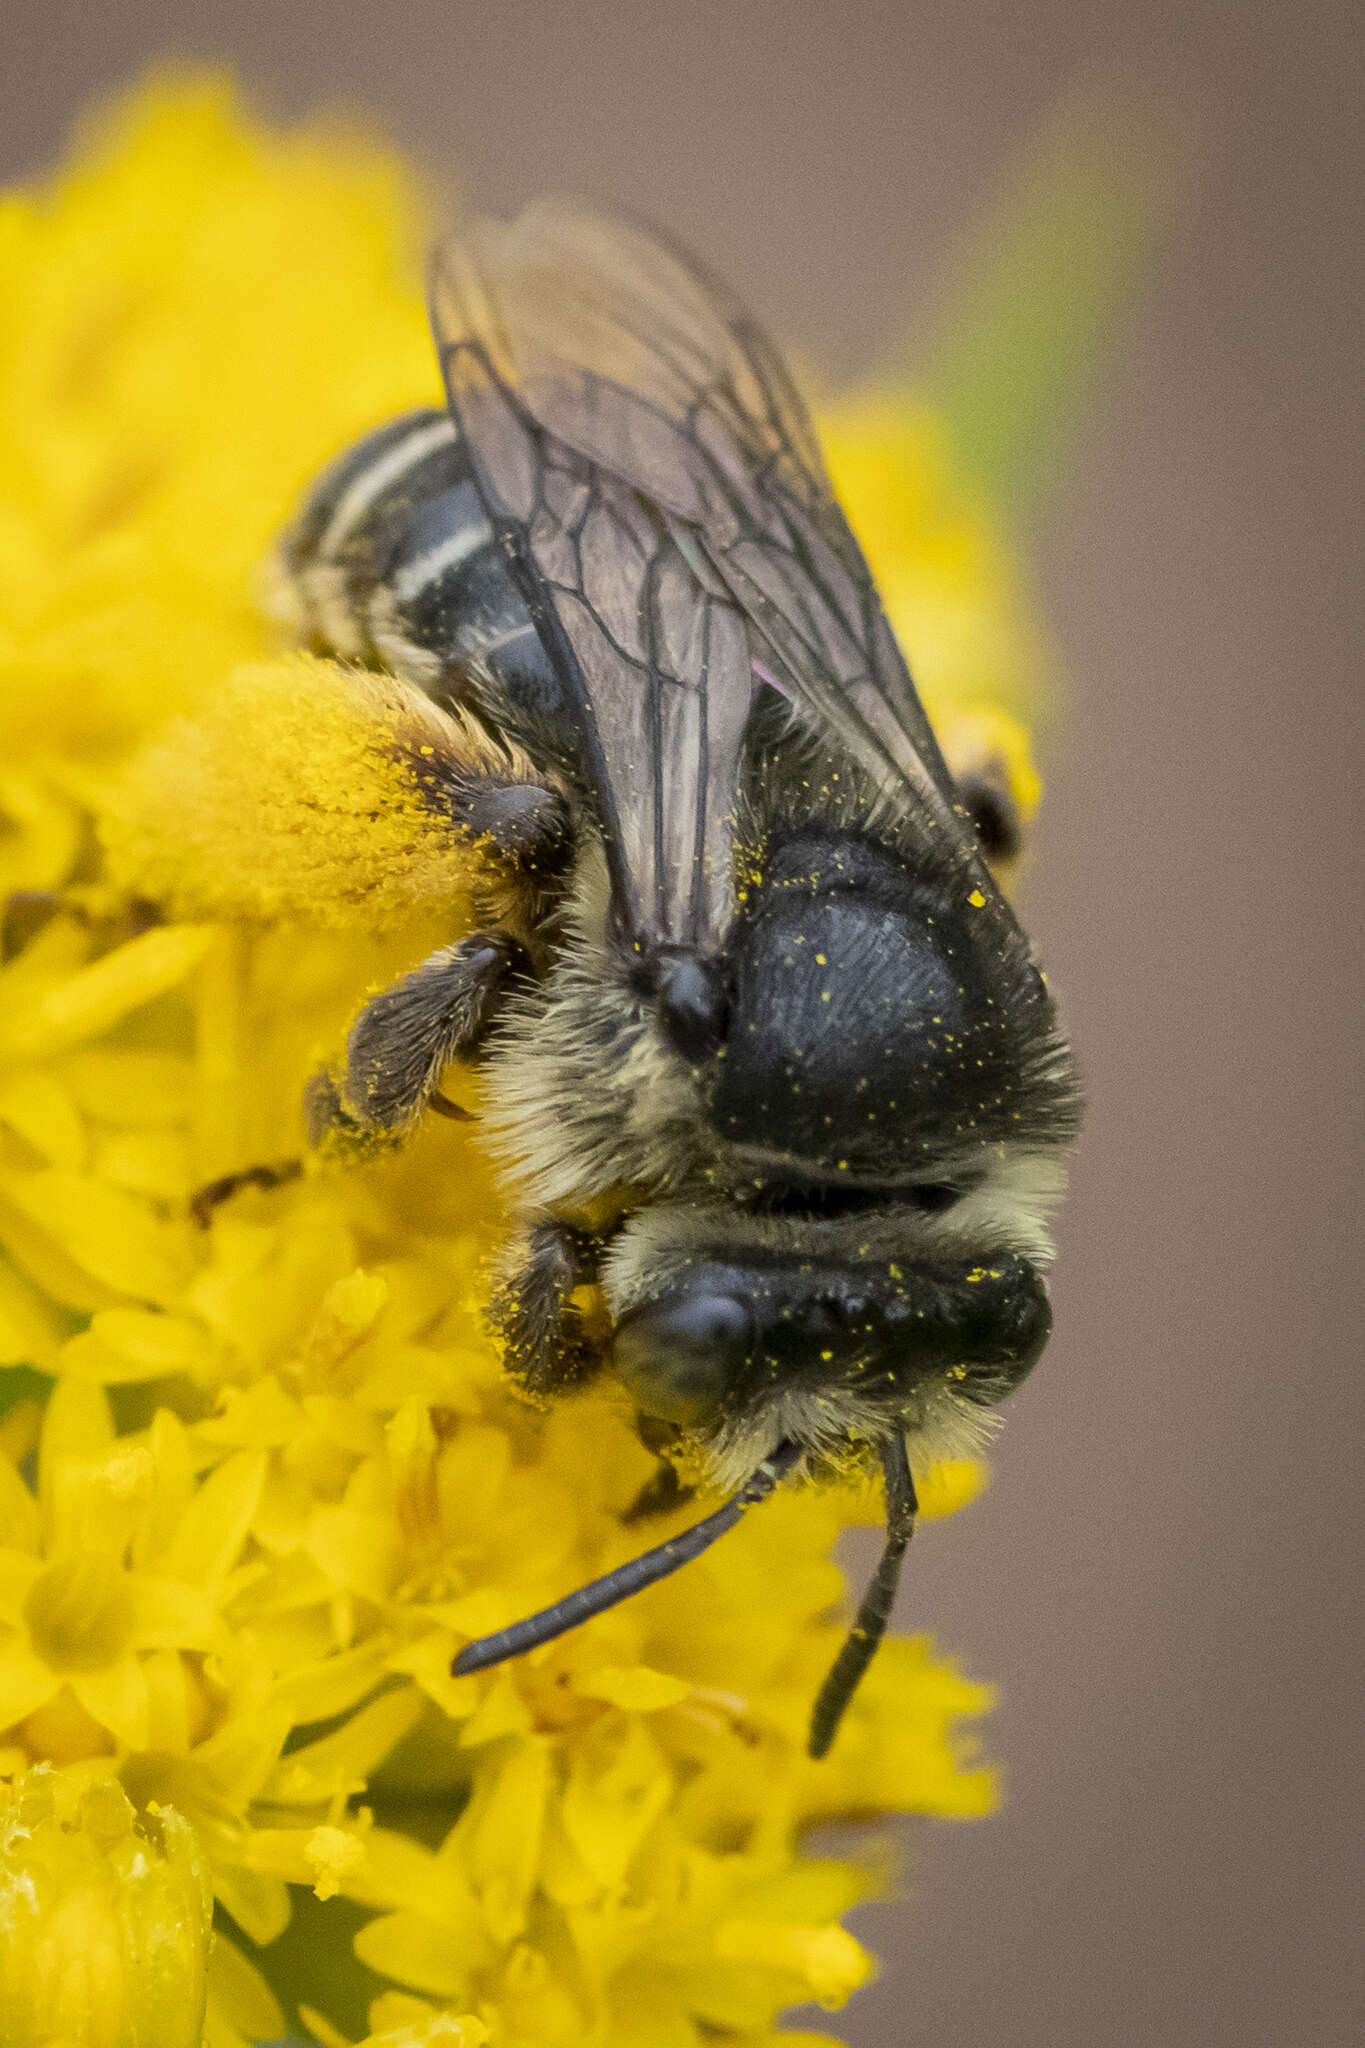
x,y
869,1624
616,1586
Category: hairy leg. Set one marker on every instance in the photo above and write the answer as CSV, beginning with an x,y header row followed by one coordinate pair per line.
x,y
405,1035
533,1311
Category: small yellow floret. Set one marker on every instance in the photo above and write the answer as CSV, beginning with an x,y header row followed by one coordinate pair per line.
x,y
334,1855
105,1920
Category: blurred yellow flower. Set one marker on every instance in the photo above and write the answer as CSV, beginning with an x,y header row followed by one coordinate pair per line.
x,y
260,1481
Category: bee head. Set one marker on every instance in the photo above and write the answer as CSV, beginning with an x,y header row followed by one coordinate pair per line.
x,y
813,1349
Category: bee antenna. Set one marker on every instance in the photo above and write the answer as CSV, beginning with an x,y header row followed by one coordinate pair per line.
x,y
869,1624
641,1571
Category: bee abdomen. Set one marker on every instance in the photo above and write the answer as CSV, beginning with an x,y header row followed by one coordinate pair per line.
x,y
393,562
331,557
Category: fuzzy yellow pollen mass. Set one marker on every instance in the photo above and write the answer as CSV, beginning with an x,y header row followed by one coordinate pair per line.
x,y
298,791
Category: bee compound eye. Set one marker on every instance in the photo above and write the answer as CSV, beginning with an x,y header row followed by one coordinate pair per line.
x,y
679,1357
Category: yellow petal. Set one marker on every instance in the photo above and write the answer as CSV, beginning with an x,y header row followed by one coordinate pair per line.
x,y
77,1430
827,1960
635,1687
117,1087
42,1113
31,1244
427,1659
19,1571
31,1328
415,1951
26,1683
124,1345
176,1707
258,1900
89,1002
501,1711
44,832
260,1417
315,1691
356,1551
401,1874
217,1520
618,1786
336,1762
169,1615
117,1698
502,1830
20,1528
429,2030
153,1163
107,1234
243,1994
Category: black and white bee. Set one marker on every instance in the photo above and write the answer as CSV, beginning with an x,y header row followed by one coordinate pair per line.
x,y
764,1050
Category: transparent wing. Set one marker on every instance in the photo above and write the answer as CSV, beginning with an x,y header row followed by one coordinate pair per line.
x,y
640,442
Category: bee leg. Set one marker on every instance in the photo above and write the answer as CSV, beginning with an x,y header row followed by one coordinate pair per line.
x,y
23,915
526,824
660,1495
25,912
214,1193
533,1311
990,805
403,1037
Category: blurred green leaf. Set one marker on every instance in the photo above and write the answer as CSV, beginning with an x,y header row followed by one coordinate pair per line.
x,y
1045,289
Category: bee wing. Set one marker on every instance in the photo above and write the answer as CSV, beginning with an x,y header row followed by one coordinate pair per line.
x,y
638,437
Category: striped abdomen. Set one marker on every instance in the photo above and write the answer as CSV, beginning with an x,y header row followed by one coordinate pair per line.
x,y
392,562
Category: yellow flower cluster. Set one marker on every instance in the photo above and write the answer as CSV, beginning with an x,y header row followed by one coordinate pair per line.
x,y
260,1481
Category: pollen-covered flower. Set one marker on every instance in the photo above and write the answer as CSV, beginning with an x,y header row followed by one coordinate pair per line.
x,y
104,1919
262,1479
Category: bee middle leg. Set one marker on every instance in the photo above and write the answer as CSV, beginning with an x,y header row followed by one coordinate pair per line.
x,y
545,1342
661,1493
406,1034
395,1051
444,1009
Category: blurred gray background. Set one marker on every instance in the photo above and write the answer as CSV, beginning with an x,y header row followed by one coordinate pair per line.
x,y
1163,1578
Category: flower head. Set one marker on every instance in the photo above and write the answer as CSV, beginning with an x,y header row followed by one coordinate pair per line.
x,y
267,1476
104,1919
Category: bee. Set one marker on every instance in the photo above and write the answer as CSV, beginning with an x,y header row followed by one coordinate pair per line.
x,y
764,1051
